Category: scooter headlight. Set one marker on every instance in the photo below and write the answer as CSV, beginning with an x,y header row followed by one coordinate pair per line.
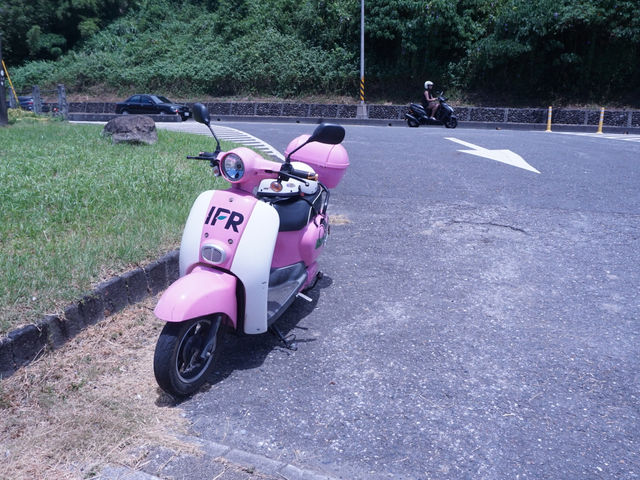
x,y
232,167
213,254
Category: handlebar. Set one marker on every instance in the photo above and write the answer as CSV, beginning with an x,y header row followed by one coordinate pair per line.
x,y
302,174
289,171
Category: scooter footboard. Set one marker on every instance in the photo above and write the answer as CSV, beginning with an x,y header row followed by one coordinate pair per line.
x,y
202,292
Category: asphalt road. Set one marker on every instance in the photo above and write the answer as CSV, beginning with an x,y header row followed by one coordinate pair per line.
x,y
477,320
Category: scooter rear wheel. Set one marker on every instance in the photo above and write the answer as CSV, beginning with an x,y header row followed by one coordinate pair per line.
x,y
186,353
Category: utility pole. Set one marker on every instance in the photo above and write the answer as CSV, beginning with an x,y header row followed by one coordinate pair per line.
x,y
4,119
362,107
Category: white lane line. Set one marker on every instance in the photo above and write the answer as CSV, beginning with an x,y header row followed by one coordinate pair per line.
x,y
227,133
609,136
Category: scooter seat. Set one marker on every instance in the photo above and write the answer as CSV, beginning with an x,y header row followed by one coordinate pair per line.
x,y
296,212
416,107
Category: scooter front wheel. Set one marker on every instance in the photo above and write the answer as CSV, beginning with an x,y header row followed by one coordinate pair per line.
x,y
451,123
186,353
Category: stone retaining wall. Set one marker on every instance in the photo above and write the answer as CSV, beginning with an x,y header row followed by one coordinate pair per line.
x,y
92,107
614,118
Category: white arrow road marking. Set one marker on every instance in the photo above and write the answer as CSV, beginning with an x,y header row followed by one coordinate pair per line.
x,y
504,156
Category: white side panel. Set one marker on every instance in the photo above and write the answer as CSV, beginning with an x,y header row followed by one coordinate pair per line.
x,y
190,244
252,264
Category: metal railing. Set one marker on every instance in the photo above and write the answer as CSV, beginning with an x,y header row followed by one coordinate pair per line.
x,y
49,102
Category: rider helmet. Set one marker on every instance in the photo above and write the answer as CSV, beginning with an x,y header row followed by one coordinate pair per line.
x,y
428,84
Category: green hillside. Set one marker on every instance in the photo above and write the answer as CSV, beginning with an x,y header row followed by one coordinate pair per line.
x,y
185,48
497,51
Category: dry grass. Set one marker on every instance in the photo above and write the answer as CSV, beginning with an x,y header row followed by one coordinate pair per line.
x,y
92,402
339,219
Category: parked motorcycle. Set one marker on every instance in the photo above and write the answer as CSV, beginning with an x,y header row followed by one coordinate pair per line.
x,y
417,115
247,252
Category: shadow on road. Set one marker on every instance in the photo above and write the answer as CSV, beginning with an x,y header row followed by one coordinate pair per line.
x,y
245,352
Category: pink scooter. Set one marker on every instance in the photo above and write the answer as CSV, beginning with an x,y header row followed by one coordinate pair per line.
x,y
247,252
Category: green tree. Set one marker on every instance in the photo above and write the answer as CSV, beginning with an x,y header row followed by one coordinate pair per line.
x,y
584,49
52,27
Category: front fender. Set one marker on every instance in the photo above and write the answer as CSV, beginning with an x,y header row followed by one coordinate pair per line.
x,y
203,291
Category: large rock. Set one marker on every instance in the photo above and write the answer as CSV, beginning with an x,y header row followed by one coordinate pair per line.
x,y
132,129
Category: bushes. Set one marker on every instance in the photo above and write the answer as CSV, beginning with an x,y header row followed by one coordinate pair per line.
x,y
580,50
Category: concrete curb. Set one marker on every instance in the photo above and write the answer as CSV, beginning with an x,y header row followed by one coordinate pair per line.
x,y
541,128
212,452
122,473
105,117
26,344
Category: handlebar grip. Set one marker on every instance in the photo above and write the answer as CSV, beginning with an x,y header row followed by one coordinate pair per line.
x,y
304,174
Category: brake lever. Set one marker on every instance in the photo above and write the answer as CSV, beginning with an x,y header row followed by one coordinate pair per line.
x,y
303,180
212,157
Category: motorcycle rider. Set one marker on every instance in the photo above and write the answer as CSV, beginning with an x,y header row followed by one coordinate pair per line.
x,y
430,101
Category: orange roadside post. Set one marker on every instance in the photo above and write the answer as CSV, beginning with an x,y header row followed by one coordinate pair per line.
x,y
601,120
549,119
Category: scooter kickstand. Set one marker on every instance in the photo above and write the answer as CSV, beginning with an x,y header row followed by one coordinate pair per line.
x,y
319,276
304,297
288,344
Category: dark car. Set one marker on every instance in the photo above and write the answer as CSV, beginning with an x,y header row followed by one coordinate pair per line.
x,y
26,103
152,105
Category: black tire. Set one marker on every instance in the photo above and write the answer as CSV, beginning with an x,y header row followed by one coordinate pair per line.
x,y
412,123
451,123
178,365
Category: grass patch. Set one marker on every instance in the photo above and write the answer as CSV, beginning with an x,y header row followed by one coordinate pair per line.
x,y
25,116
76,209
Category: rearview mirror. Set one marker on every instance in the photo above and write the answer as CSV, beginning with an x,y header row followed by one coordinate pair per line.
x,y
200,113
327,133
